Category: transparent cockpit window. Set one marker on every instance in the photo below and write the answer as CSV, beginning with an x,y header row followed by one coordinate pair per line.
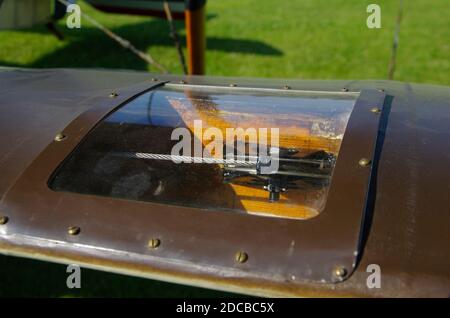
x,y
264,152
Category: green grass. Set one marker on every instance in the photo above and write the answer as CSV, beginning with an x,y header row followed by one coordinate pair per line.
x,y
29,278
304,39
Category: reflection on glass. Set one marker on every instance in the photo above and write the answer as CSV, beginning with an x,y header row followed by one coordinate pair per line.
x,y
128,154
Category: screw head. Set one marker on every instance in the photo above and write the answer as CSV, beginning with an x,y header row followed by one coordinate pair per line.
x,y
233,85
375,110
154,243
241,257
154,79
364,162
345,89
340,272
286,87
60,137
73,230
182,82
113,95
3,220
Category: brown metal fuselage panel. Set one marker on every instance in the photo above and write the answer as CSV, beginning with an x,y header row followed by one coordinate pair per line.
x,y
406,219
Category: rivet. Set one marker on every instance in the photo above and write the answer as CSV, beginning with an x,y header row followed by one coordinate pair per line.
x,y
182,82
375,110
60,137
286,87
364,162
3,220
233,85
154,243
340,272
73,230
381,90
154,79
345,89
241,257
113,95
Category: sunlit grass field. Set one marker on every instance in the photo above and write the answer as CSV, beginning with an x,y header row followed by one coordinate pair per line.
x,y
302,39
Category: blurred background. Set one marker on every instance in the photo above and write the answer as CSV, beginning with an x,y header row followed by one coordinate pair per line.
x,y
301,39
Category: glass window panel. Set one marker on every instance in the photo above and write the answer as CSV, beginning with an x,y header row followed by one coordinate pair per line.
x,y
281,165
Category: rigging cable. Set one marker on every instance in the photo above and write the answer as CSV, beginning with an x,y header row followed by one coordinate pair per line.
x,y
174,36
123,42
393,61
